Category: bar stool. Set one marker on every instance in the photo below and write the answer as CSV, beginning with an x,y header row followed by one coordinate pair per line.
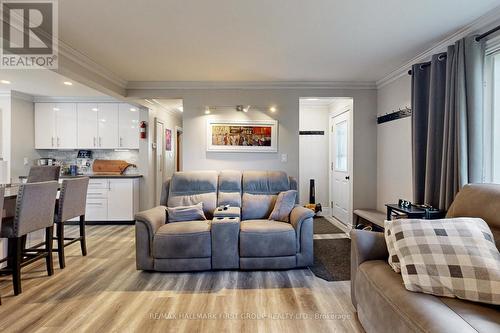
x,y
72,201
35,205
43,173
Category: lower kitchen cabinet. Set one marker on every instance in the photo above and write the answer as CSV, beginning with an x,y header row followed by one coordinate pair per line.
x,y
112,199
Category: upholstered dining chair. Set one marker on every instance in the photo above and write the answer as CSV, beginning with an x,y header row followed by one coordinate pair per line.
x,y
43,173
35,205
2,199
72,202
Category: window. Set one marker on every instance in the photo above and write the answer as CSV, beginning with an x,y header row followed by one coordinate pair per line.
x,y
492,118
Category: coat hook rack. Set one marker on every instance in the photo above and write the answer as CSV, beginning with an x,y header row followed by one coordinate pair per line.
x,y
394,115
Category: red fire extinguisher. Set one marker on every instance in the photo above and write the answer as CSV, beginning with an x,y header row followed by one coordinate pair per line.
x,y
142,130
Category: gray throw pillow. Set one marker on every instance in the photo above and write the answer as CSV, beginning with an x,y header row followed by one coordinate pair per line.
x,y
283,206
186,213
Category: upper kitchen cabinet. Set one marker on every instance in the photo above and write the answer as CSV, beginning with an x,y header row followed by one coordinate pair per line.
x,y
128,126
87,125
107,126
55,125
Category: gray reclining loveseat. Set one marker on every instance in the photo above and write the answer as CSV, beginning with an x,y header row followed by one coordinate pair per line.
x,y
253,243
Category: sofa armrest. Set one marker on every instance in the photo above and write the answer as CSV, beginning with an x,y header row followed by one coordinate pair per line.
x,y
365,246
146,224
302,221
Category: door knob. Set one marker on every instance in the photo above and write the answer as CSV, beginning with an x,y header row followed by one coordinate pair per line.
x,y
347,177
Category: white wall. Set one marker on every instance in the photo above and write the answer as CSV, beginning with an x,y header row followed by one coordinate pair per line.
x,y
146,163
394,151
195,156
314,153
22,137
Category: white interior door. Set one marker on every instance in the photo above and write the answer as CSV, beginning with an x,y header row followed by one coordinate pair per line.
x,y
340,193
159,145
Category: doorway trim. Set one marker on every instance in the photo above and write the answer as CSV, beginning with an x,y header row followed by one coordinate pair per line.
x,y
158,147
348,109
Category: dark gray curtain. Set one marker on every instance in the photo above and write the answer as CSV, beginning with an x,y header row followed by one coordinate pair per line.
x,y
447,124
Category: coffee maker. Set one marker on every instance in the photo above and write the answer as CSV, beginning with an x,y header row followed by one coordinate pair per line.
x,y
84,162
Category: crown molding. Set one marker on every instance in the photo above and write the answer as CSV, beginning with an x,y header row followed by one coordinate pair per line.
x,y
484,22
184,85
79,99
86,62
23,96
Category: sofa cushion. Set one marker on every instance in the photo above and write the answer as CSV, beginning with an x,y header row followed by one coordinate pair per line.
x,y
283,206
229,188
183,240
190,188
453,257
479,200
186,213
265,182
257,206
380,294
264,238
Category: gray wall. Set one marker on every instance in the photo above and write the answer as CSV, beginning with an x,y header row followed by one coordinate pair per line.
x,y
394,154
196,157
22,137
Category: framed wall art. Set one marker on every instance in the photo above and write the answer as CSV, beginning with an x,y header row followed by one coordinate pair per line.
x,y
242,136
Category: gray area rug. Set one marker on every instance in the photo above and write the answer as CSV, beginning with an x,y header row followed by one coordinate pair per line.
x,y
332,257
322,226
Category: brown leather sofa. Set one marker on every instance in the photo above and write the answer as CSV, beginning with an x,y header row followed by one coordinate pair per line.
x,y
381,300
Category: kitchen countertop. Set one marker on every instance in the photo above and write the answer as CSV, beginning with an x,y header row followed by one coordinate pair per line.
x,y
97,176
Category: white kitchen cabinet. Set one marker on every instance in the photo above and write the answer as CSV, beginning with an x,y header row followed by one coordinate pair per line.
x,y
55,125
112,199
120,200
45,125
108,125
128,126
87,125
66,128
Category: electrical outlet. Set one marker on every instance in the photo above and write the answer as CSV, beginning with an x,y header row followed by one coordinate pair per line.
x,y
284,158
25,161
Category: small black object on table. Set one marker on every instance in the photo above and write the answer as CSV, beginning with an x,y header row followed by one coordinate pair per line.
x,y
414,212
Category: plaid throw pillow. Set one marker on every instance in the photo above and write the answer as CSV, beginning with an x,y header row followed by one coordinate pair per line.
x,y
449,257
390,240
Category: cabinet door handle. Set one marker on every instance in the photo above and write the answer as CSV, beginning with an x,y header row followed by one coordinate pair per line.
x,y
52,144
94,141
121,142
100,142
94,203
58,141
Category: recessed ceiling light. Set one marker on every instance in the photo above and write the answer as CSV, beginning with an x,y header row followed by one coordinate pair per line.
x,y
272,109
5,81
133,109
207,110
95,109
68,83
55,109
180,108
312,99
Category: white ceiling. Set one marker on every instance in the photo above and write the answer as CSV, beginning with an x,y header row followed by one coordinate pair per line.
x,y
43,82
259,40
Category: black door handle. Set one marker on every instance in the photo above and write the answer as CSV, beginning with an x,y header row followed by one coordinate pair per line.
x,y
347,177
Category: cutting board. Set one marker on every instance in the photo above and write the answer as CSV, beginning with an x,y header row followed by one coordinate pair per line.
x,y
110,167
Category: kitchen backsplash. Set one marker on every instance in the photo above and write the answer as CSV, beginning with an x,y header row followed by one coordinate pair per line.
x,y
67,157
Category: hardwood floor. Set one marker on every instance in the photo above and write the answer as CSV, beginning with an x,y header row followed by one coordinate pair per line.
x,y
103,292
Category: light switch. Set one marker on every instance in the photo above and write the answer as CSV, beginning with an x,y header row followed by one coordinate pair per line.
x,y
284,158
25,161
